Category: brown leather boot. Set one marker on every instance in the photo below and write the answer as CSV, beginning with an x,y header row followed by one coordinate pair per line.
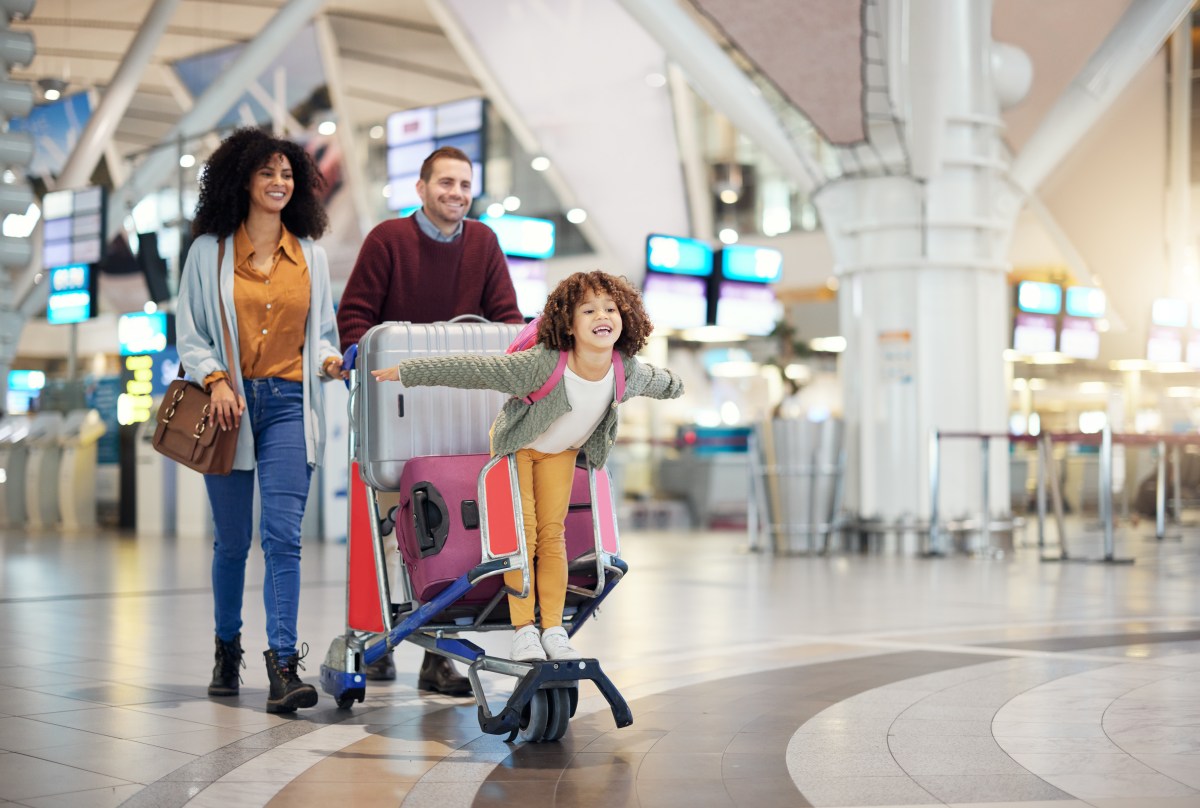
x,y
438,675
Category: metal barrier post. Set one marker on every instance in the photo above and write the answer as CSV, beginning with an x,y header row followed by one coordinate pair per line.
x,y
1160,493
1041,491
1106,495
1175,472
935,541
985,534
757,481
1056,501
1106,515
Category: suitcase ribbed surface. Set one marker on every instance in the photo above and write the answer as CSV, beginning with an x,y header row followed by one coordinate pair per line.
x,y
394,423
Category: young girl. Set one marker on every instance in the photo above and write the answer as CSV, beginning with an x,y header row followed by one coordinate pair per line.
x,y
588,315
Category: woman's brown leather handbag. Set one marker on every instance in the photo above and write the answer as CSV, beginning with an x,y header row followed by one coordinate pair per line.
x,y
187,431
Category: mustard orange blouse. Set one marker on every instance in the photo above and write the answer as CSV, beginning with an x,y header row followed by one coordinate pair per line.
x,y
272,309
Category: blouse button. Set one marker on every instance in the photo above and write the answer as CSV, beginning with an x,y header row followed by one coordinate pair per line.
x,y
267,282
264,330
268,305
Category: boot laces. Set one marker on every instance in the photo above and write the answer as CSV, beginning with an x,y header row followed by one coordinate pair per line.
x,y
231,658
288,667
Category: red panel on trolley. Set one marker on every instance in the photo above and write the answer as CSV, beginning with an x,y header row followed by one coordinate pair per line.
x,y
604,509
501,514
363,611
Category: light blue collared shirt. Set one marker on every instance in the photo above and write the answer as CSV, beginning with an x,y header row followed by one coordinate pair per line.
x,y
430,229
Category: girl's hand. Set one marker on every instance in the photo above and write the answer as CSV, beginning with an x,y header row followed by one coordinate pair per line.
x,y
227,406
391,374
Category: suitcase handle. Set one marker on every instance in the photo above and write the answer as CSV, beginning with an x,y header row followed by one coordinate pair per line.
x,y
430,518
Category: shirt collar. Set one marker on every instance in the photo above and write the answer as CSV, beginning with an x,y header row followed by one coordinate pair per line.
x,y
431,230
287,242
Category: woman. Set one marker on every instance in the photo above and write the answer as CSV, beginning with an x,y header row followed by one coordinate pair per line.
x,y
253,261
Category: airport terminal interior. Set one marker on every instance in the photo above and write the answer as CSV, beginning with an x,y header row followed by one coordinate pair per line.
x,y
923,530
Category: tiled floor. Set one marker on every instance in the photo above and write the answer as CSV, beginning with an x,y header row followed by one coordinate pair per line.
x,y
848,680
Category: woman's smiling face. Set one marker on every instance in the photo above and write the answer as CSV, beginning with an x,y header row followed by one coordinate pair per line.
x,y
271,186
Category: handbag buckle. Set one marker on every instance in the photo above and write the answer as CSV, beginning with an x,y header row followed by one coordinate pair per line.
x,y
202,424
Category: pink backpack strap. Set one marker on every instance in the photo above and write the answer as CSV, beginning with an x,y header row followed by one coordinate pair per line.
x,y
544,390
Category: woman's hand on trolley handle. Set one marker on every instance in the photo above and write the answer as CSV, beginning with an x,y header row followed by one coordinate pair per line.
x,y
389,374
227,405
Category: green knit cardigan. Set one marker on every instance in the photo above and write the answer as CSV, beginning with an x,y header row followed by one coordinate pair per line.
x,y
521,373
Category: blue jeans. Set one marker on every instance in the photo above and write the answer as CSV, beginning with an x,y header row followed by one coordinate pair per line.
x,y
275,410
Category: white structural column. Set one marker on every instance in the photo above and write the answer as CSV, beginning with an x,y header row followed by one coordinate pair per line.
x,y
921,261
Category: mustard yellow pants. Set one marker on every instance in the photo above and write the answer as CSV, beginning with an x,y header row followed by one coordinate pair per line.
x,y
545,482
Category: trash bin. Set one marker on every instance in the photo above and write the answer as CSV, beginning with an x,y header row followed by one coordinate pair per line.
x,y
14,460
41,479
81,433
156,480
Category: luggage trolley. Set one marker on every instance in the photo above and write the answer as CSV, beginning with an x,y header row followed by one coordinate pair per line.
x,y
459,528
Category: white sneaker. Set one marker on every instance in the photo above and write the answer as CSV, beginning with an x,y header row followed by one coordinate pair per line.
x,y
526,647
557,645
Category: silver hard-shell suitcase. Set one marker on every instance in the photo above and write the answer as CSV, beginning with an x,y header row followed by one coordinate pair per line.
x,y
395,423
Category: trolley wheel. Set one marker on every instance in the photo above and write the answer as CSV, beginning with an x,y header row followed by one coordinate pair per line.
x,y
388,523
347,699
560,713
534,718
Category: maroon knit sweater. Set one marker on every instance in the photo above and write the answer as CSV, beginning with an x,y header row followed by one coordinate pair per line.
x,y
402,274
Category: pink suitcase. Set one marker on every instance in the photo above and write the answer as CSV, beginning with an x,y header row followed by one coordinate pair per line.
x,y
437,528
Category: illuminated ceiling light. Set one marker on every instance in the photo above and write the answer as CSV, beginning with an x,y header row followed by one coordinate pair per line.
x,y
729,196
150,307
52,89
1093,388
656,80
577,216
495,210
540,163
728,235
187,160
327,127
828,344
511,203
376,132
387,191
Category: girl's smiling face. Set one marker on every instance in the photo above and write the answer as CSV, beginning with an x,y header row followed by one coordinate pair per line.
x,y
596,323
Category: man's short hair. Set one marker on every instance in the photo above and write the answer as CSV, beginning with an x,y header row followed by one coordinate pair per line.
x,y
449,152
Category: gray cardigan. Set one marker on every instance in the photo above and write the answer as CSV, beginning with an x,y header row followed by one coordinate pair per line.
x,y
520,374
201,340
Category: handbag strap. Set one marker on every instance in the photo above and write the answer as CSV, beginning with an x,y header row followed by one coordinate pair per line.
x,y
221,304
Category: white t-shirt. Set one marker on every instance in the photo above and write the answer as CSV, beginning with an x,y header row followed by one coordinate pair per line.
x,y
589,402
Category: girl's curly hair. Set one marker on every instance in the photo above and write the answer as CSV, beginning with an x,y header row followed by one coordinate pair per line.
x,y
554,329
225,202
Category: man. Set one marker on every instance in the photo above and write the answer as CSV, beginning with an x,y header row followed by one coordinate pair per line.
x,y
426,268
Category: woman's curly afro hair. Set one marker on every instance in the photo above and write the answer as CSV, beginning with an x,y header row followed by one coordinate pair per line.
x,y
554,329
225,201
